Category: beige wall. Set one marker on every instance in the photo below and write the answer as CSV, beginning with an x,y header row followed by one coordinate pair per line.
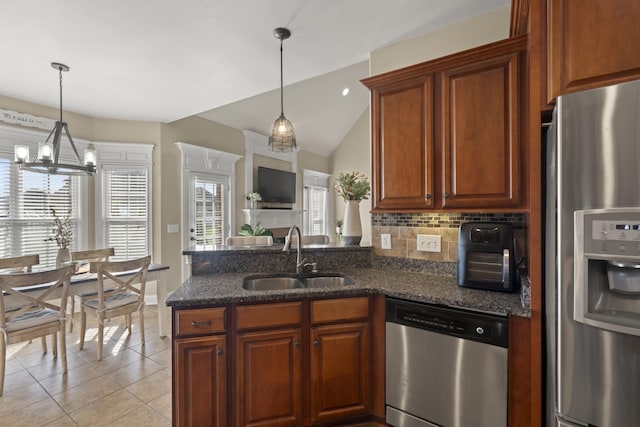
x,y
354,154
483,29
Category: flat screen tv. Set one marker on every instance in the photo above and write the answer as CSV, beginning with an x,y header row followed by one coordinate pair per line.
x,y
276,185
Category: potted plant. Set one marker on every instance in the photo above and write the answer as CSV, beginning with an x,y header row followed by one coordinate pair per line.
x,y
258,230
253,198
62,234
353,188
339,224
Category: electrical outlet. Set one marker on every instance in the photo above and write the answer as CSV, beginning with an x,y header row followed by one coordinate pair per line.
x,y
386,241
429,243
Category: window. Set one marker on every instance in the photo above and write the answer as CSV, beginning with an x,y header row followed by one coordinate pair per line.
x,y
123,199
315,202
26,200
315,210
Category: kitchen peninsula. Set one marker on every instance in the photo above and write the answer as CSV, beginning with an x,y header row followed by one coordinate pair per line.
x,y
303,356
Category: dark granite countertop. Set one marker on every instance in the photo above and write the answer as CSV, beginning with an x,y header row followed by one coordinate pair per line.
x,y
271,248
224,288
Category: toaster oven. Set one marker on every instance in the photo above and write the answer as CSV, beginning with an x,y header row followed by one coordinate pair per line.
x,y
486,258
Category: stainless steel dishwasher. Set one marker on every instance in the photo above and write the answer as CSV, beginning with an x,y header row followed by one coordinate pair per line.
x,y
445,367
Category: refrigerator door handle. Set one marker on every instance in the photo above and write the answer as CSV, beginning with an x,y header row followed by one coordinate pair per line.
x,y
506,279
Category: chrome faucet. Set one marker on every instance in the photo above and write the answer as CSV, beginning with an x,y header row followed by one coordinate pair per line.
x,y
287,246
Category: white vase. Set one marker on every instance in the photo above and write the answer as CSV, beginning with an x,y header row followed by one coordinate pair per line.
x,y
352,227
63,256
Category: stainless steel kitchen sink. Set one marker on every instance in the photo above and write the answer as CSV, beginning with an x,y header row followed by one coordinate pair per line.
x,y
280,281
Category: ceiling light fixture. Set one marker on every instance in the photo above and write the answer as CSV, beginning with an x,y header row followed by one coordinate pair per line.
x,y
47,160
283,137
345,91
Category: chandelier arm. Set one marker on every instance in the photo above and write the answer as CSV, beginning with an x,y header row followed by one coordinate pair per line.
x,y
57,139
73,145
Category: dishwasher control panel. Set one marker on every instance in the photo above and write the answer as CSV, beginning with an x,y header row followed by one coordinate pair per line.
x,y
482,327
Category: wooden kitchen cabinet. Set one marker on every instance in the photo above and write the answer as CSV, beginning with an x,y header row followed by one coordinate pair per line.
x,y
480,133
268,365
403,172
287,374
200,368
446,133
591,43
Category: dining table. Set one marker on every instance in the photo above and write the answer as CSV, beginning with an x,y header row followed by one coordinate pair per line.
x,y
84,281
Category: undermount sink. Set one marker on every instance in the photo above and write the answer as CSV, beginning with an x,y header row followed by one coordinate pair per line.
x,y
280,281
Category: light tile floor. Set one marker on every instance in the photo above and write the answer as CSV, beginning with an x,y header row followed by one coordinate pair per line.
x,y
130,386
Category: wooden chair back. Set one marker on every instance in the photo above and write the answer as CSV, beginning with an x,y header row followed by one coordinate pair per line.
x,y
51,284
93,255
311,239
19,263
110,283
249,240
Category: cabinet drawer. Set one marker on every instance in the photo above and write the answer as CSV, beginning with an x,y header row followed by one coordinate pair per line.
x,y
262,315
200,321
331,310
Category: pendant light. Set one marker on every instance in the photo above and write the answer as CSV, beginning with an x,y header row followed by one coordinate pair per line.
x,y
282,138
47,159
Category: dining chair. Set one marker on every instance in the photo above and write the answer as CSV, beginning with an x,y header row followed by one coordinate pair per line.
x,y
249,240
311,239
117,295
18,264
34,315
23,264
91,255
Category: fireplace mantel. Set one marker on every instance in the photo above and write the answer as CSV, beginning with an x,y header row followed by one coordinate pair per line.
x,y
273,218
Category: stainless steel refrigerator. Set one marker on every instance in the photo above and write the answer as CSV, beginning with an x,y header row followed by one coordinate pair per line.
x,y
592,259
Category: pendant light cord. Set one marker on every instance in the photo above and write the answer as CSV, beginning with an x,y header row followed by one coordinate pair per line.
x,y
281,83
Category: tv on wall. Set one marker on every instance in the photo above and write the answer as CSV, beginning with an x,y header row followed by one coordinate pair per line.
x,y
276,185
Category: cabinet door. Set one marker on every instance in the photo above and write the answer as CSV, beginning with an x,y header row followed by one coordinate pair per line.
x,y
402,145
481,165
340,371
268,389
592,43
200,382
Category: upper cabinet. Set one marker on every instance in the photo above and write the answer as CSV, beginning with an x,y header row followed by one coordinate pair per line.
x,y
591,43
446,133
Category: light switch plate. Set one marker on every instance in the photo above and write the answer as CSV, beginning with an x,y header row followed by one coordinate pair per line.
x,y
386,241
429,243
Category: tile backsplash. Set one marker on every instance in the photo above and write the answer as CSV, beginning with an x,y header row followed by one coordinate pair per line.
x,y
405,227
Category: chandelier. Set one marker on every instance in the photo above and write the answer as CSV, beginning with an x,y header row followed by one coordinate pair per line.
x,y
48,158
282,138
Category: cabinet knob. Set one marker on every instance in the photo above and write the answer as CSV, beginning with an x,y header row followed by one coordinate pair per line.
x,y
446,195
316,343
427,196
297,344
220,352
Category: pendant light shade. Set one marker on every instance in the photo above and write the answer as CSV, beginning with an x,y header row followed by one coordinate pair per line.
x,y
47,159
283,137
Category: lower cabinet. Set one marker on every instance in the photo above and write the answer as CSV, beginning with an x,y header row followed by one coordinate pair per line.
x,y
200,369
298,363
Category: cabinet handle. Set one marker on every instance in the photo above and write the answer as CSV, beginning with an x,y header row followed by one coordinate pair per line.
x,y
220,352
427,196
297,344
205,323
316,343
446,195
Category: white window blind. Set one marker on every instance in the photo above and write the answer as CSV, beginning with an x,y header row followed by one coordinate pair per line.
x,y
126,211
315,210
26,219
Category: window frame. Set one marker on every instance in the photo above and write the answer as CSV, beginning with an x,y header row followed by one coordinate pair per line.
x,y
316,180
10,136
122,155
